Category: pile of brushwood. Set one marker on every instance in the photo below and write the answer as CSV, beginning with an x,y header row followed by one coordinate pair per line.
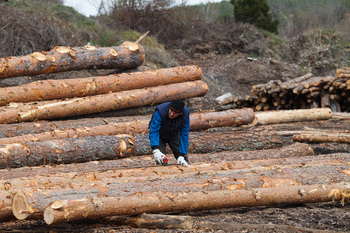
x,y
58,170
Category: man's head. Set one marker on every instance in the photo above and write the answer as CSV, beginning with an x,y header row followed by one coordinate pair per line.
x,y
176,108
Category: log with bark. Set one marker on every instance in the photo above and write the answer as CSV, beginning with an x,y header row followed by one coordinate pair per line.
x,y
71,150
319,137
79,87
295,150
203,120
100,103
284,116
68,210
127,56
30,202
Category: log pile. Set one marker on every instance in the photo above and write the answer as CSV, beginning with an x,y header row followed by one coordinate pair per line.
x,y
303,92
67,170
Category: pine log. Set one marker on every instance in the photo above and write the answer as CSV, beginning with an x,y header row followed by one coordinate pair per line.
x,y
101,103
79,87
127,56
284,116
65,211
199,121
294,150
322,137
225,99
72,150
6,206
155,221
32,202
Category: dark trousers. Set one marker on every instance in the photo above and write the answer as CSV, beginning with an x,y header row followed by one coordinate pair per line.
x,y
174,146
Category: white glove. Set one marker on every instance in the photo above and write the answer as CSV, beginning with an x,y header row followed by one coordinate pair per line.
x,y
159,157
181,160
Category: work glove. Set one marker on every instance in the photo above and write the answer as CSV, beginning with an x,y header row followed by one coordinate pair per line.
x,y
160,157
181,160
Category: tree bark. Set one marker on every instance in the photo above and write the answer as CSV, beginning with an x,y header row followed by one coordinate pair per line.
x,y
101,103
295,150
72,150
199,121
322,137
128,55
79,87
65,211
284,116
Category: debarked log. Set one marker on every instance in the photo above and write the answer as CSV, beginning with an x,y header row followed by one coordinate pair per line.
x,y
199,121
100,103
284,116
85,149
68,210
79,87
294,150
31,202
127,56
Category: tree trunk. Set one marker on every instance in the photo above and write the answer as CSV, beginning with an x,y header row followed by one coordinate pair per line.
x,y
294,150
79,87
127,56
6,206
155,221
199,121
284,116
101,103
322,137
31,201
64,210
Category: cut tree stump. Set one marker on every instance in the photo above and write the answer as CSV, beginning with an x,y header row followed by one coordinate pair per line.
x,y
79,87
69,210
100,103
199,121
126,56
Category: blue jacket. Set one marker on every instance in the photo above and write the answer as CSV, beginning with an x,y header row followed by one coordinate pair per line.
x,y
167,129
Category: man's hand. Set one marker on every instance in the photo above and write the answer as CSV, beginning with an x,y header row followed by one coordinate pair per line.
x,y
181,160
160,157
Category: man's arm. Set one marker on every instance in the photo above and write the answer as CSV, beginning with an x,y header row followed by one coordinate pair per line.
x,y
184,136
154,127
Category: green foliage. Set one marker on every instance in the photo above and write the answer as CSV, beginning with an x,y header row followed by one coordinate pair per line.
x,y
255,12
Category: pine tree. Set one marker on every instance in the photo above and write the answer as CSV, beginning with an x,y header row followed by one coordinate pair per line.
x,y
255,12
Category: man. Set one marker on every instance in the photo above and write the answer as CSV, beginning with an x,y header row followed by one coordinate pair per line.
x,y
170,124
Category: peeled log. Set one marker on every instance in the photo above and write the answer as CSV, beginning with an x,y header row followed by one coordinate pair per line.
x,y
69,210
322,137
71,150
101,103
203,120
79,87
294,150
126,56
285,116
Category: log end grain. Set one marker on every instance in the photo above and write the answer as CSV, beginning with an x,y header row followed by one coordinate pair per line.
x,y
48,215
20,206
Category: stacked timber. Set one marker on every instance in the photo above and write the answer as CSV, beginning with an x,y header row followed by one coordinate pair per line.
x,y
303,92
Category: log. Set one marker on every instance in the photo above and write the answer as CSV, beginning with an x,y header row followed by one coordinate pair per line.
x,y
322,137
68,210
284,116
155,221
79,87
127,56
6,206
73,150
30,203
296,149
101,103
225,99
199,121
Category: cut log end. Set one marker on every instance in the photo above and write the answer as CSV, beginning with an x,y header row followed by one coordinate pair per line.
x,y
20,206
48,215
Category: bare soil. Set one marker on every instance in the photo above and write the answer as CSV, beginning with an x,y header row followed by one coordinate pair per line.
x,y
234,72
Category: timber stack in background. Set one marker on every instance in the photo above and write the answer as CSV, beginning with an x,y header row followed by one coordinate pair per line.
x,y
302,92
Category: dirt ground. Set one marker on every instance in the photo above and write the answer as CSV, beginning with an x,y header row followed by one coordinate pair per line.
x,y
236,73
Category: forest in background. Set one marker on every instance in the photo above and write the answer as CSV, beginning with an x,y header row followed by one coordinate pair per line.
x,y
37,25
